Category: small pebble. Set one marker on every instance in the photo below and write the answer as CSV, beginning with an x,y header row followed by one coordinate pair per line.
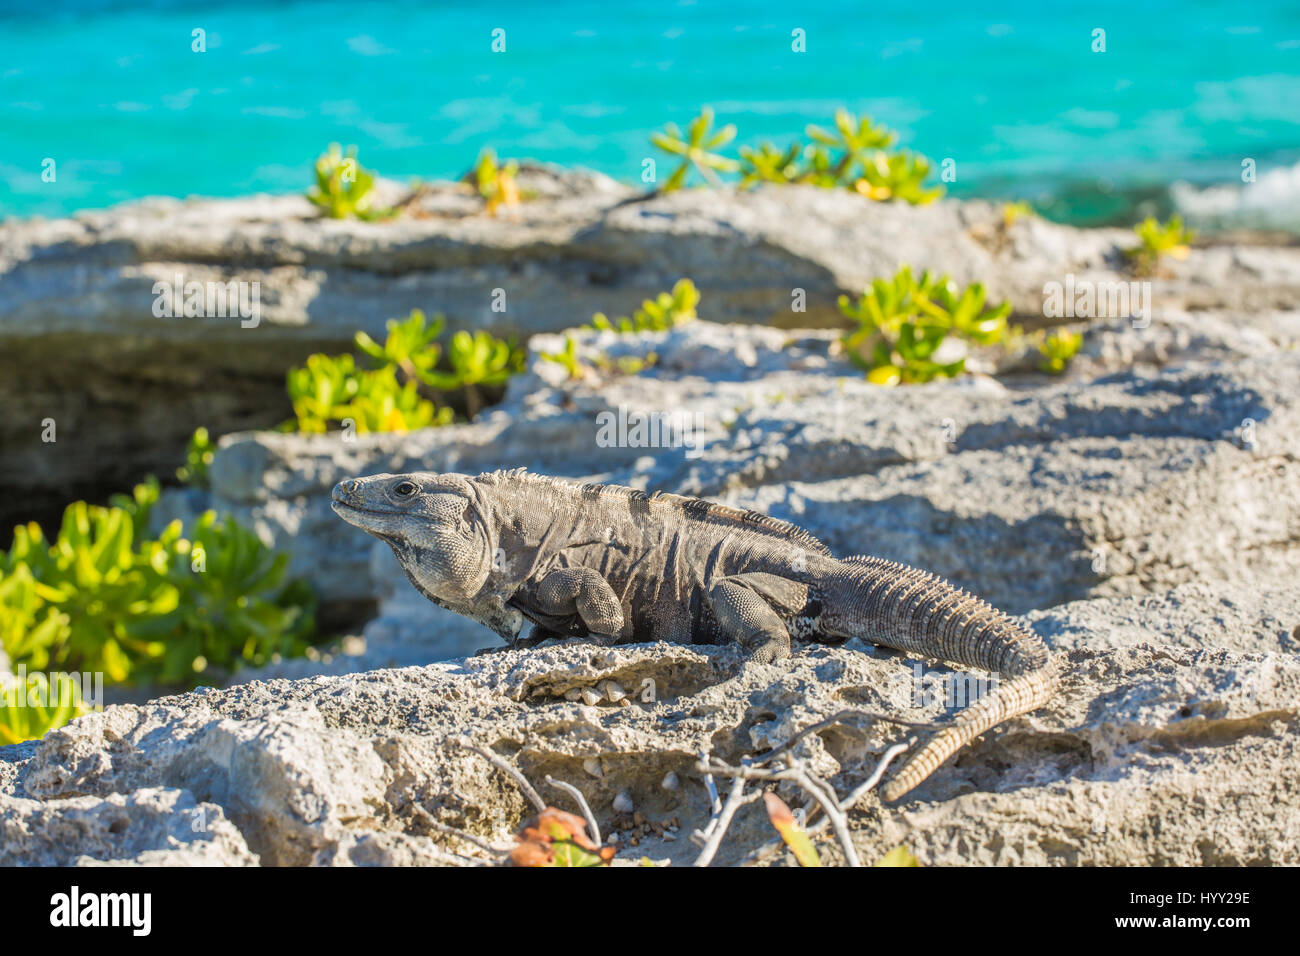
x,y
591,697
670,781
593,767
623,802
612,690
573,693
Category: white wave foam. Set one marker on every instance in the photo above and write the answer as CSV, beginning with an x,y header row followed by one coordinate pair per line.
x,y
1271,202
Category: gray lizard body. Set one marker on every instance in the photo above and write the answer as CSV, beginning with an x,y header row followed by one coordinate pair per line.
x,y
618,565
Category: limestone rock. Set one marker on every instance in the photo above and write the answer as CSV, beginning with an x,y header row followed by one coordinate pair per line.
x,y
1162,747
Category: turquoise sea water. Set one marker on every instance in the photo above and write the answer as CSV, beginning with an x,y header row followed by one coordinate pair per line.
x,y
1013,92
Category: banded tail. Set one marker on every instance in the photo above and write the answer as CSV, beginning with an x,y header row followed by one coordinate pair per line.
x,y
913,610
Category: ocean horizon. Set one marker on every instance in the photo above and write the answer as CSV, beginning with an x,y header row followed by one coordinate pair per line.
x,y
1019,99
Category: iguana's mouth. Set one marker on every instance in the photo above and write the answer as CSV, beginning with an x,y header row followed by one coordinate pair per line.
x,y
342,508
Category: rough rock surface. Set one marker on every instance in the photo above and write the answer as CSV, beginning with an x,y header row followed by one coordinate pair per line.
x,y
1162,747
148,826
79,342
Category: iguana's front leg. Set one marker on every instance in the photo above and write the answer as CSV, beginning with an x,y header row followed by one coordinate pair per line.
x,y
584,592
746,608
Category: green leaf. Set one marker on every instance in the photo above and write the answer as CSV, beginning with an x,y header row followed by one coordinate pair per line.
x,y
899,856
695,148
343,187
791,833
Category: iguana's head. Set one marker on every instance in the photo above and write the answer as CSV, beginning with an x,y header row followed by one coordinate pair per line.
x,y
437,526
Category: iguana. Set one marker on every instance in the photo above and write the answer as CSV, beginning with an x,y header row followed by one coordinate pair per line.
x,y
619,565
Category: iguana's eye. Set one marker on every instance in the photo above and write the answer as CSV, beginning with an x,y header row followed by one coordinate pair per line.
x,y
404,490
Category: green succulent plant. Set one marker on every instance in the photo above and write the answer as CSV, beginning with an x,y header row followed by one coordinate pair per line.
x,y
334,389
331,390
343,188
236,604
198,458
31,710
768,164
818,167
897,176
899,856
103,596
902,322
411,345
1156,239
1013,212
1057,348
478,360
696,148
859,141
495,181
855,153
665,311
568,358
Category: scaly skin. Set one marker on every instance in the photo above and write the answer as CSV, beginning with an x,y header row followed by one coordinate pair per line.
x,y
617,565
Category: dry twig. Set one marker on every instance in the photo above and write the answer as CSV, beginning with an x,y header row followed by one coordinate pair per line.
x,y
574,792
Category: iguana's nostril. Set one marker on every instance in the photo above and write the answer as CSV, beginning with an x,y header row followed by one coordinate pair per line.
x,y
349,487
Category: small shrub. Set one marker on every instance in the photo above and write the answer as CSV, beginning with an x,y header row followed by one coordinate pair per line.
x,y
859,142
1057,348
695,147
333,389
198,458
858,154
568,358
343,187
236,604
902,322
103,596
478,360
494,181
897,176
855,153
768,164
411,344
666,311
30,710
1156,240
1013,212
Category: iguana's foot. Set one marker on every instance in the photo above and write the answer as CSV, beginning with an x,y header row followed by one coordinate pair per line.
x,y
773,650
744,605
